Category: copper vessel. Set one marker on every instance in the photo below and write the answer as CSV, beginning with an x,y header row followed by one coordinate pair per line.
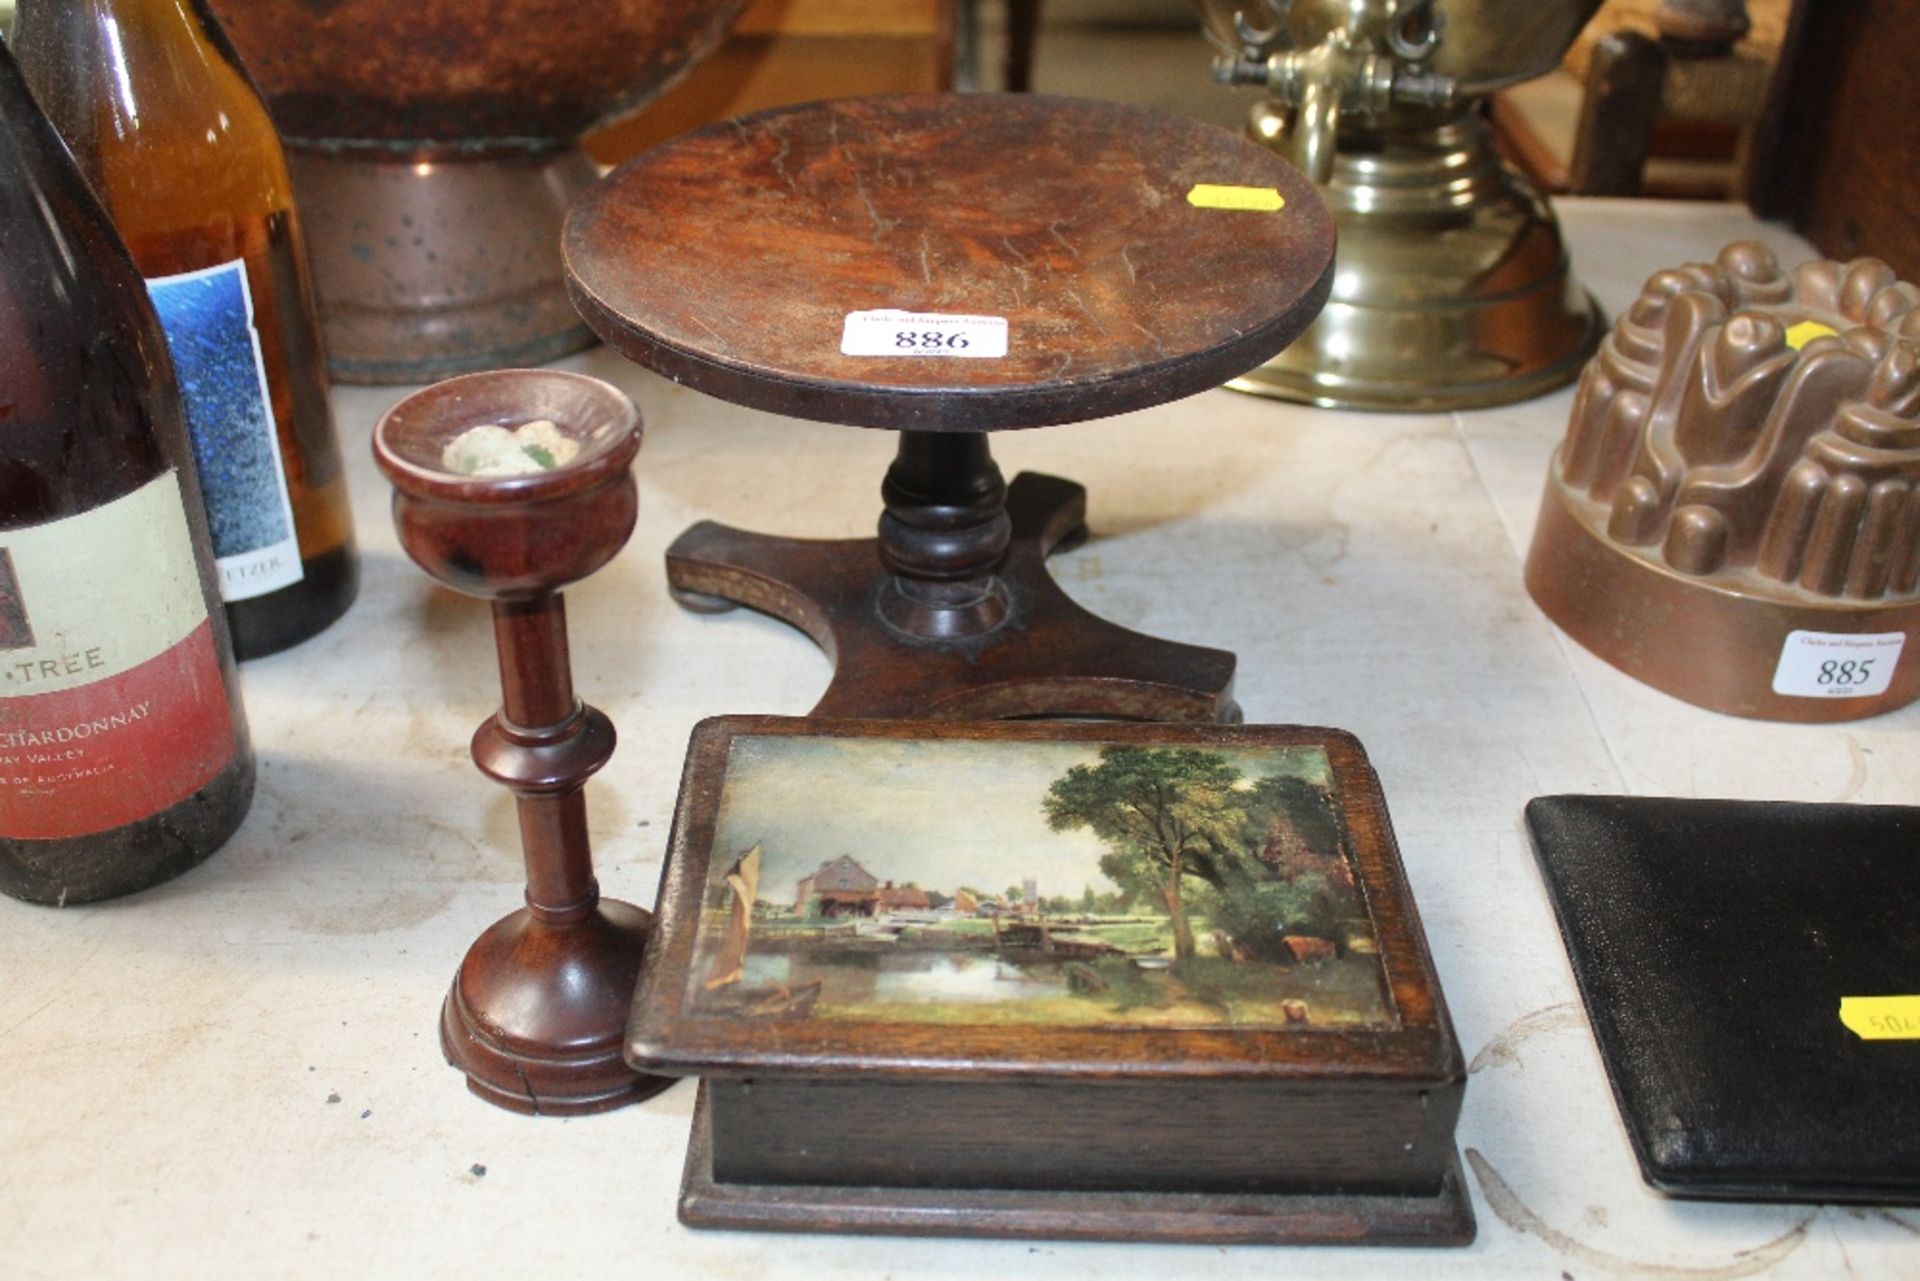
x,y
433,153
1453,288
1734,515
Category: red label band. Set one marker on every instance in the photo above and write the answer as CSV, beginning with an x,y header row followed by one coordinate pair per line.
x,y
104,755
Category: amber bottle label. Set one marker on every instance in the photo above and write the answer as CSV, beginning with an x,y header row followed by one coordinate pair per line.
x,y
112,702
209,320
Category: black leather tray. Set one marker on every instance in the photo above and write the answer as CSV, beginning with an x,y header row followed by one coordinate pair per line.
x,y
1713,942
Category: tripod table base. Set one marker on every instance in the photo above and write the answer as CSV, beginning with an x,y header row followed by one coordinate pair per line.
x,y
1049,657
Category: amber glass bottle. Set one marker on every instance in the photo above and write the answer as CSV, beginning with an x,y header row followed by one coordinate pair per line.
x,y
175,140
123,748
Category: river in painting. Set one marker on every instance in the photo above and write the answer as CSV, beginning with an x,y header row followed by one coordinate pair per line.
x,y
907,976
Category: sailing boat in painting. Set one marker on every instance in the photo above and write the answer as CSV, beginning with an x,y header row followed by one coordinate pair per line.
x,y
743,879
729,965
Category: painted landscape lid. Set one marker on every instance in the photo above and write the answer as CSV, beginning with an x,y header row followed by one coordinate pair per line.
x,y
1035,900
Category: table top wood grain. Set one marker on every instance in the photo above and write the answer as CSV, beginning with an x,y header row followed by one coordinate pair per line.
x,y
729,258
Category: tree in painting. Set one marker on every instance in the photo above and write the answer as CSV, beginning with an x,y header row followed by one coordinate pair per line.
x,y
1161,813
1260,859
1288,872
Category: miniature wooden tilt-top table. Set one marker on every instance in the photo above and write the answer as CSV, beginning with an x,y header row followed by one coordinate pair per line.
x,y
1117,257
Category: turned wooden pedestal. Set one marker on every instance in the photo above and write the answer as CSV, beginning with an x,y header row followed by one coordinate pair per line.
x,y
537,1010
730,259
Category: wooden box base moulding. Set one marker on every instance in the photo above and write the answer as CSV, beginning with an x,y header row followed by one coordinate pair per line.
x,y
1193,1218
1094,981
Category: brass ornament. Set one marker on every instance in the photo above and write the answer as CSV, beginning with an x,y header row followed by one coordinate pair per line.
x,y
1452,288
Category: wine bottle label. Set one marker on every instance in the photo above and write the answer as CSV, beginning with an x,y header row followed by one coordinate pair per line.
x,y
112,703
208,317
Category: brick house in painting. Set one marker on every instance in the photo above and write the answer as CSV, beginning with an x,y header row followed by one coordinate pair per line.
x,y
840,887
844,888
904,898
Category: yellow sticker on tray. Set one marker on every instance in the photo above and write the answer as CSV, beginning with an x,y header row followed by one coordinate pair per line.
x,y
1207,195
1806,331
1882,1018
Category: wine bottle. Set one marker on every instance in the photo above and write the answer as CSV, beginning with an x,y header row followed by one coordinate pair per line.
x,y
124,756
177,143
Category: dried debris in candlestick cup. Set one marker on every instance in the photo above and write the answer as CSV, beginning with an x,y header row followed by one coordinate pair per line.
x,y
494,450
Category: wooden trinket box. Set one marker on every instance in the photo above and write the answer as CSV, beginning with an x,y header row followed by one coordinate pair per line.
x,y
1104,981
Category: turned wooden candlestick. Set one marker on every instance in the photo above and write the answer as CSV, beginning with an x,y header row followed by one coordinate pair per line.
x,y
538,1008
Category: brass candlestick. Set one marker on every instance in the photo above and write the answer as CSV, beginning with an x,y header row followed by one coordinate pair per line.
x,y
538,1008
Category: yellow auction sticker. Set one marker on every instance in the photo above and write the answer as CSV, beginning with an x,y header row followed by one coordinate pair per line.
x,y
1882,1018
1207,195
1806,331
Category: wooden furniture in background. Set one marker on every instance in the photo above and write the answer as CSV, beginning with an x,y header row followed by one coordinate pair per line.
x,y
1637,110
787,51
1023,31
1841,160
538,1008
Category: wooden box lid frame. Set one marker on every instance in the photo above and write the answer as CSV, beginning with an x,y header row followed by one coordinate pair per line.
x,y
666,1037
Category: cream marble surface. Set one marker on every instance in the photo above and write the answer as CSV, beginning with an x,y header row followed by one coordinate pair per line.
x,y
236,1074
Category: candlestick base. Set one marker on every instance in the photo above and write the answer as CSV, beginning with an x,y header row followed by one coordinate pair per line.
x,y
538,1011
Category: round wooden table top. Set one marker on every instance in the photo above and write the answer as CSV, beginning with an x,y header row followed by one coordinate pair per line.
x,y
730,259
